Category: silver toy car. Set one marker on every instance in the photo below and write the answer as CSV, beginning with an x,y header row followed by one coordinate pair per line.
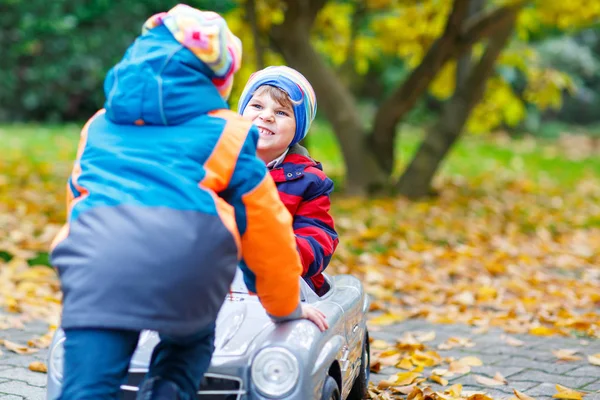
x,y
255,358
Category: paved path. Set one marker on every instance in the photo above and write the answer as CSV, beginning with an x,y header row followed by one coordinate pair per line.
x,y
16,380
531,368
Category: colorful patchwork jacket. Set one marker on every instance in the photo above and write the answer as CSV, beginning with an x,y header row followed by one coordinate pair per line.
x,y
305,189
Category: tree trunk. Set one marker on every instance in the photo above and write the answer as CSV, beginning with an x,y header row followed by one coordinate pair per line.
x,y
259,51
458,37
416,180
363,174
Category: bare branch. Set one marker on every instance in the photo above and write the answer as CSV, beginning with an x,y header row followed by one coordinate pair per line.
x,y
483,26
259,51
455,41
404,98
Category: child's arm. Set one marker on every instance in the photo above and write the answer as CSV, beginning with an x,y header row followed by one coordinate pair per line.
x,y
267,240
316,237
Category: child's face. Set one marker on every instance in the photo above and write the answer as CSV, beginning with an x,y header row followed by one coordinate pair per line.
x,y
275,121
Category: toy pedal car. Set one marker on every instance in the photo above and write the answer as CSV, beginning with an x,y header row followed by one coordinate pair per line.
x,y
255,358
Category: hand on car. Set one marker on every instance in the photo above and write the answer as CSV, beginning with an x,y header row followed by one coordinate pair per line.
x,y
317,317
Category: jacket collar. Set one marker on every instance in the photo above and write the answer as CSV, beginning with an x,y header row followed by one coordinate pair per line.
x,y
294,163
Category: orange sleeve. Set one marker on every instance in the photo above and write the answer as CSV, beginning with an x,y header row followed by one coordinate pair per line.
x,y
269,249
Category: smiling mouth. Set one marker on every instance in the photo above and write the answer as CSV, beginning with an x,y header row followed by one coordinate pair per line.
x,y
265,131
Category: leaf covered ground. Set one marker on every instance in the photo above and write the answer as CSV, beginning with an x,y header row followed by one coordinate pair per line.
x,y
504,245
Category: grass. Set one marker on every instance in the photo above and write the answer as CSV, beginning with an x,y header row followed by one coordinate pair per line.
x,y
471,157
536,159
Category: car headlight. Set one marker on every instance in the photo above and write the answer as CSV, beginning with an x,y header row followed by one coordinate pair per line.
x,y
275,371
57,359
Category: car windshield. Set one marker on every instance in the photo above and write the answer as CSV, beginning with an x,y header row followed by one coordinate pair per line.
x,y
238,285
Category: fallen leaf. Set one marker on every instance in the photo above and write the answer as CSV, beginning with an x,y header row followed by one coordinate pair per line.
x,y
564,392
456,342
399,379
514,341
42,342
457,367
426,337
594,360
499,377
379,344
404,389
542,331
387,319
375,367
522,396
440,372
489,381
566,355
38,366
479,396
415,394
455,390
471,361
405,364
18,348
439,379
425,358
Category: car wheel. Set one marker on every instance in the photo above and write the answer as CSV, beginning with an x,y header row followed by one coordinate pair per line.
x,y
331,391
361,384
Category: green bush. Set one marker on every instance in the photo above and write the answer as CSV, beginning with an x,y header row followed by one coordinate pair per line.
x,y
56,53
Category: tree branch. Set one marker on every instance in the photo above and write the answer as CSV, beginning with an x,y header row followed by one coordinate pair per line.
x,y
456,40
259,51
416,180
403,99
347,69
486,25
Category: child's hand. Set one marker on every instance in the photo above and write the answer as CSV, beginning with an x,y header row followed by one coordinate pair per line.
x,y
312,314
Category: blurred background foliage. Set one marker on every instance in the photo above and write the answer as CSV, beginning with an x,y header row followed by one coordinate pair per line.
x,y
55,56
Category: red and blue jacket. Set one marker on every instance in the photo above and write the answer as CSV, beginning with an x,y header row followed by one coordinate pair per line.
x,y
305,189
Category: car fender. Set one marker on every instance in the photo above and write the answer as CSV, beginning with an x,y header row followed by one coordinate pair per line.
x,y
331,351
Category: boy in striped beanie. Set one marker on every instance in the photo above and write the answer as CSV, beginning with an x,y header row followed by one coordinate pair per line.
x,y
282,104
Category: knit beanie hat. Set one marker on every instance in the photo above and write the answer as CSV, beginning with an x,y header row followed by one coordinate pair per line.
x,y
207,36
292,82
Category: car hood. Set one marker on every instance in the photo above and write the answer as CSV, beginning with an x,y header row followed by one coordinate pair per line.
x,y
241,320
239,323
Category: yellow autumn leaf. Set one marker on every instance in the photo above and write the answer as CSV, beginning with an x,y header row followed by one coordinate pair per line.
x,y
471,361
38,366
542,331
387,319
379,344
522,396
18,348
457,367
404,378
514,341
405,363
438,379
594,359
489,381
454,390
479,396
566,355
564,392
426,337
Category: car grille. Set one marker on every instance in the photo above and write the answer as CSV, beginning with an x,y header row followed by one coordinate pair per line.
x,y
213,386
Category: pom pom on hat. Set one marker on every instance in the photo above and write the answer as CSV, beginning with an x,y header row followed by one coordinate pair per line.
x,y
207,36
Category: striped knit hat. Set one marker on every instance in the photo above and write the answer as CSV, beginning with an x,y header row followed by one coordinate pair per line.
x,y
295,85
206,34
